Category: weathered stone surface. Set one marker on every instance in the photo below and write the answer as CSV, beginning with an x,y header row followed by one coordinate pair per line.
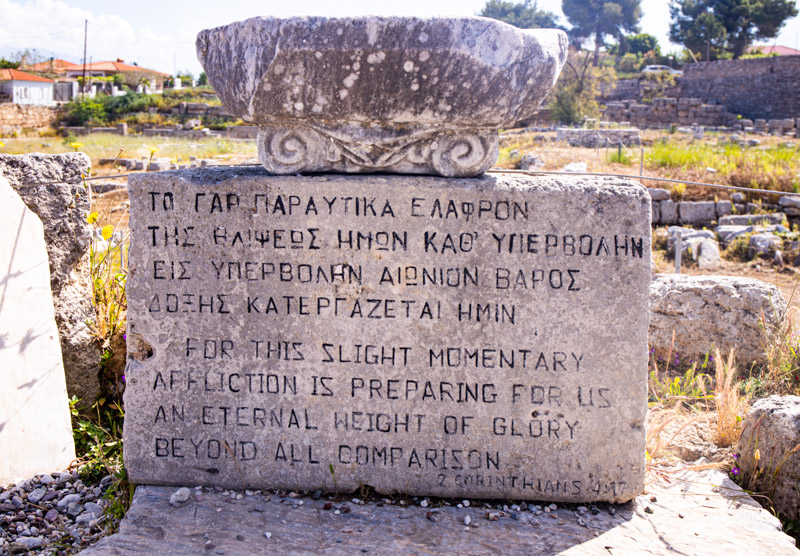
x,y
789,201
706,312
752,219
729,232
693,513
530,161
669,212
579,137
695,213
708,256
724,208
659,194
575,168
35,429
687,234
377,321
772,427
62,208
373,94
763,244
655,211
700,245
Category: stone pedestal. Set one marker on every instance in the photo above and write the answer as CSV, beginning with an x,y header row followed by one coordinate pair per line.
x,y
480,337
35,430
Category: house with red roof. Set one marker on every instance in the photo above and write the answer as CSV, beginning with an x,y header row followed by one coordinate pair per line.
x,y
131,75
54,66
21,87
775,49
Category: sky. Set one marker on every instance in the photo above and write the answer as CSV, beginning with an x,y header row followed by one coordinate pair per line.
x,y
160,35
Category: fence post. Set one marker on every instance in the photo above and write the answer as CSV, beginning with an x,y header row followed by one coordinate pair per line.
x,y
641,163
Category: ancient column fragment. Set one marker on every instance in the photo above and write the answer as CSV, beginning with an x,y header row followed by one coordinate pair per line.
x,y
378,94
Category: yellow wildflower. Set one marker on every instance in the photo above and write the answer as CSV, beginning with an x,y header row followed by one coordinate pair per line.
x,y
2,144
92,218
153,150
757,455
107,230
76,145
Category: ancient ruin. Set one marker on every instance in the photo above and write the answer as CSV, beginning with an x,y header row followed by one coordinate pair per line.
x,y
370,94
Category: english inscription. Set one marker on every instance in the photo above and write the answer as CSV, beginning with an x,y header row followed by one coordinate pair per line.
x,y
466,337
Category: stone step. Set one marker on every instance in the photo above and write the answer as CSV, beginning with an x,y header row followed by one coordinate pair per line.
x,y
695,513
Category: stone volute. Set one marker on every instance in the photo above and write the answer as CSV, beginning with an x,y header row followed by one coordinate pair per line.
x,y
380,94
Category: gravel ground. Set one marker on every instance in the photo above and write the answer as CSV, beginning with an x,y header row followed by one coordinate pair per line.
x,y
52,514
59,514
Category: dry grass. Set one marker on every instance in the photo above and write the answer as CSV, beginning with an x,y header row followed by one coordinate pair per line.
x,y
782,372
107,145
773,165
729,403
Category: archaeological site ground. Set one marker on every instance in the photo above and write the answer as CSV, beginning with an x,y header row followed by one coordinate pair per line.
x,y
404,285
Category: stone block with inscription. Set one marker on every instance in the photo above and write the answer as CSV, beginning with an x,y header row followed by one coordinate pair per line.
x,y
378,94
480,337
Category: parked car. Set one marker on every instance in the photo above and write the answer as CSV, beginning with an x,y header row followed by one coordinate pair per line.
x,y
662,69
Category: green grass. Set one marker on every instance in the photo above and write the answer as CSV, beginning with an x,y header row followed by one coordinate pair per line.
x,y
774,168
619,156
108,145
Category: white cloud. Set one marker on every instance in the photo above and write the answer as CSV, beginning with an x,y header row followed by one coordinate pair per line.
x,y
55,26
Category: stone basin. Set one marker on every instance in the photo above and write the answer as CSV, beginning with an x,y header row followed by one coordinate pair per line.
x,y
376,94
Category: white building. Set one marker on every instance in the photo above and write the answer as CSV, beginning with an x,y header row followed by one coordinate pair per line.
x,y
24,88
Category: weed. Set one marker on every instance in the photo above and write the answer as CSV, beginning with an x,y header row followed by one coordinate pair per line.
x,y
689,387
730,405
739,247
782,370
678,190
109,276
655,442
333,474
98,441
620,156
673,391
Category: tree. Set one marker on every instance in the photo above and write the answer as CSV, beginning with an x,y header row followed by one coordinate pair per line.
x,y
202,79
8,64
186,77
712,27
577,89
28,57
523,14
600,18
643,43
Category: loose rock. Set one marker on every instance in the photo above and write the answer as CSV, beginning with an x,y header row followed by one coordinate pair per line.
x,y
712,311
770,433
180,497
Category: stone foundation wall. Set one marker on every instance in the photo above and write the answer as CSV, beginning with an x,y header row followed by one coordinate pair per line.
x,y
15,117
638,89
667,111
598,137
761,88
765,88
